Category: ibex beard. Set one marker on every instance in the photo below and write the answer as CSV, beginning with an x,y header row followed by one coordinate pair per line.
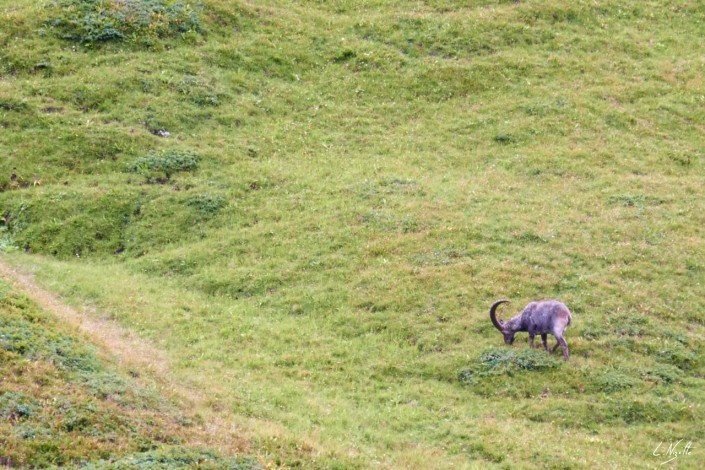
x,y
537,318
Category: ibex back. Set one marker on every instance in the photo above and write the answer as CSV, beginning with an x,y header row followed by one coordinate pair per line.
x,y
537,318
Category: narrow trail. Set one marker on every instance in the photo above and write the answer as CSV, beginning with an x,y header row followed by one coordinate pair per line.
x,y
125,346
218,431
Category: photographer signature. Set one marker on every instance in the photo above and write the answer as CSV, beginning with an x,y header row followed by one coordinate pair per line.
x,y
673,451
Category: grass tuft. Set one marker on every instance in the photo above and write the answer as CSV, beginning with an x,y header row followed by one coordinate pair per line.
x,y
507,362
160,167
93,22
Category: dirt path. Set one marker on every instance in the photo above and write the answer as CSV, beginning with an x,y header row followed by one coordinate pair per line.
x,y
218,431
130,350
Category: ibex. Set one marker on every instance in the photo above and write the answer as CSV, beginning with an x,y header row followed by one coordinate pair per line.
x,y
537,318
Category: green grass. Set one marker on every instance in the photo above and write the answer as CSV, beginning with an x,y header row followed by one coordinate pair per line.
x,y
370,177
62,405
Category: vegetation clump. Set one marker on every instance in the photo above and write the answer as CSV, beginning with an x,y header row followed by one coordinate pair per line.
x,y
207,204
10,104
507,362
100,21
159,167
613,381
16,406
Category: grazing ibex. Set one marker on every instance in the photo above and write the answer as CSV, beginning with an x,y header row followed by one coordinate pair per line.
x,y
537,318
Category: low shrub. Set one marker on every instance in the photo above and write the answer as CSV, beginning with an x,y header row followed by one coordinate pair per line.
x,y
92,22
159,167
507,361
12,104
505,139
662,373
16,406
526,359
207,204
613,381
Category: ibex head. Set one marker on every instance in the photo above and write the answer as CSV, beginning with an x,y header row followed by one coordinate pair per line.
x,y
500,325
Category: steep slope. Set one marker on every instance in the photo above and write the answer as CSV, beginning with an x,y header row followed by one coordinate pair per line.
x,y
309,206
62,405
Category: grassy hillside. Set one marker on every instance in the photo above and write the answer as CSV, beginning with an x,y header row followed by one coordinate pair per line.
x,y
62,405
311,205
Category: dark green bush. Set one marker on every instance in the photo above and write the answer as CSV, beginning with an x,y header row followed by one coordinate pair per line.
x,y
101,21
16,406
662,373
80,418
207,204
526,359
507,361
613,381
11,104
153,166
505,139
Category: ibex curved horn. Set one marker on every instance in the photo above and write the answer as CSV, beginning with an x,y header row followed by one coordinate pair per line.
x,y
493,315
